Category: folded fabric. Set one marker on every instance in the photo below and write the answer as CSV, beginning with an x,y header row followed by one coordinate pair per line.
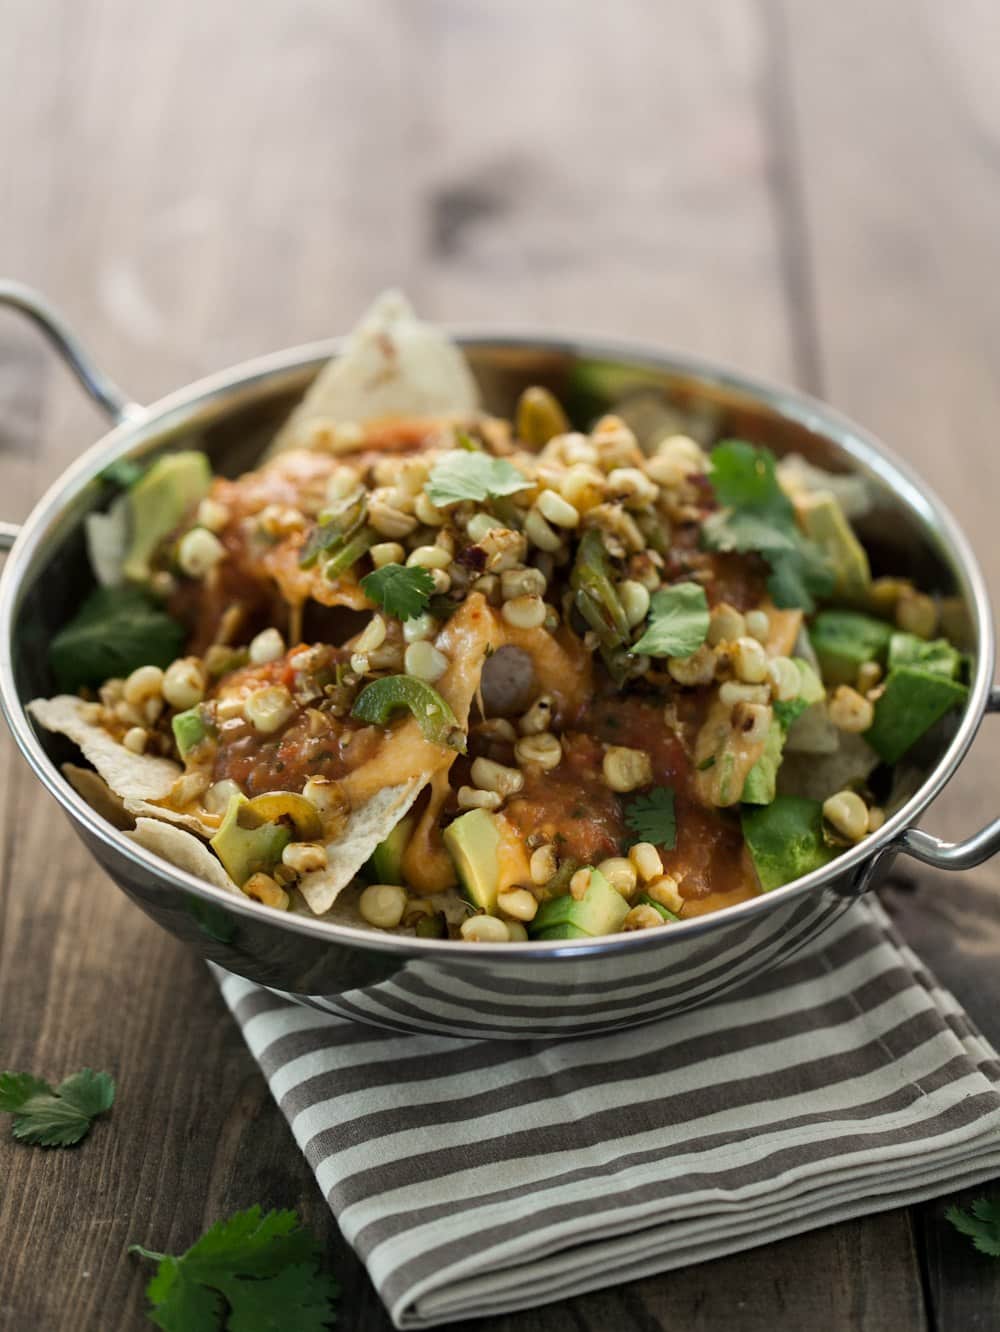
x,y
477,1177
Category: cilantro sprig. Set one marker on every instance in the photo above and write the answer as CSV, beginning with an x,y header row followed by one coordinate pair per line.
x,y
678,622
981,1223
756,515
255,1272
46,1116
652,817
462,475
400,590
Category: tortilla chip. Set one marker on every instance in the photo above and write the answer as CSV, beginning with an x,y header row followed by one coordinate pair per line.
x,y
140,808
394,365
137,776
181,849
98,795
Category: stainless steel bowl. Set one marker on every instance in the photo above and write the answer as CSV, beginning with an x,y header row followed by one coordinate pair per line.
x,y
508,991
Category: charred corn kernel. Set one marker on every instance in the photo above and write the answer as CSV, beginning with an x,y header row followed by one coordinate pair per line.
x,y
785,679
129,713
916,613
583,485
524,612
184,683
268,709
327,798
419,628
752,721
144,683
726,625
577,448
516,933
555,509
676,458
386,515
749,660
633,487
188,787
278,520
876,817
198,551
410,475
543,864
479,524
491,776
579,883
642,917
267,646
539,533
758,625
152,709
869,674
647,861
262,888
522,583
635,601
428,512
850,711
372,636
497,728
212,515
484,929
847,814
665,891
382,905
732,692
387,552
615,443
428,557
620,873
440,580
489,586
341,482
219,794
697,669
423,660
545,750
359,663
111,692
626,769
470,798
135,739
538,718
304,857
517,903
504,549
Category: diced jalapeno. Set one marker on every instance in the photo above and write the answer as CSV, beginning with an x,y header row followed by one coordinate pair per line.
x,y
379,700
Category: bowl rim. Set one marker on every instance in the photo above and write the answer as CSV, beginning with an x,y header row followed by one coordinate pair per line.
x,y
208,396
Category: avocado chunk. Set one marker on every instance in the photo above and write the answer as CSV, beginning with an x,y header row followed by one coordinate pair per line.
x,y
473,842
386,862
785,840
248,850
158,502
601,910
913,700
824,522
189,730
845,640
762,779
938,655
665,912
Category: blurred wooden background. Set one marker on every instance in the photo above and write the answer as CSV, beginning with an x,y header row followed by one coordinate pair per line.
x,y
808,190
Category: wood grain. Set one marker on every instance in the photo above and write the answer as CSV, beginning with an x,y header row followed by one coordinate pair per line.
x,y
194,184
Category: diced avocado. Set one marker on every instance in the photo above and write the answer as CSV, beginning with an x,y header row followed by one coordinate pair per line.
x,y
601,910
386,863
189,730
246,851
564,931
157,503
824,522
845,640
938,655
761,781
472,841
785,840
665,912
913,700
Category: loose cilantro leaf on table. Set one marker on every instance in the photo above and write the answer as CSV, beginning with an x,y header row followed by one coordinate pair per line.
x,y
678,622
114,631
55,1117
756,515
472,476
652,818
399,590
255,1272
981,1223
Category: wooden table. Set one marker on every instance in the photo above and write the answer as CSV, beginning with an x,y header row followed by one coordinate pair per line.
x,y
805,189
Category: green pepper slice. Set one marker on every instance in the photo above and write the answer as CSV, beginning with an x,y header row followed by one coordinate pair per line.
x,y
341,560
597,601
379,700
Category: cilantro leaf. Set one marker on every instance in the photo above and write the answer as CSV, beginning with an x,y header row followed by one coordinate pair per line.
x,y
255,1272
981,1223
124,472
114,631
651,816
461,475
678,622
47,1117
758,516
400,590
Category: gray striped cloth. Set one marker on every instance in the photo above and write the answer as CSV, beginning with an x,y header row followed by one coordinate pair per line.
x,y
476,1177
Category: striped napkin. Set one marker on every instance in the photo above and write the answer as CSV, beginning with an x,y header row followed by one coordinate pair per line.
x,y
477,1177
